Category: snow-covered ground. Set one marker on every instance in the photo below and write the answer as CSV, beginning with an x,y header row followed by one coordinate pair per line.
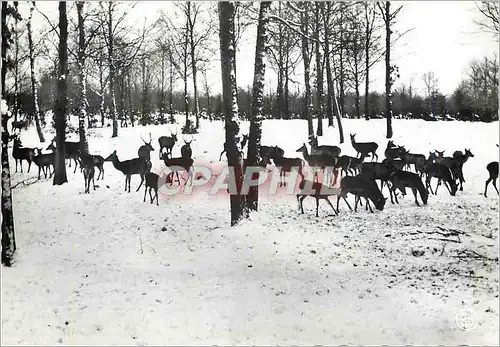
x,y
107,269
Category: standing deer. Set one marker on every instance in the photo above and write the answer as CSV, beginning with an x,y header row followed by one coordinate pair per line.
x,y
320,161
186,151
151,184
243,142
176,165
460,159
98,162
442,173
136,166
316,192
402,179
493,172
287,165
72,150
364,148
22,153
361,188
145,150
167,142
44,162
332,151
88,168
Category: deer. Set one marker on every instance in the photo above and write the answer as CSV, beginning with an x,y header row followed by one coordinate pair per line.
x,y
178,164
167,142
72,150
19,125
332,151
364,148
88,168
268,152
151,183
44,162
317,160
401,179
318,192
413,158
98,162
393,151
186,151
136,166
459,159
286,165
442,173
145,150
22,153
377,171
361,187
493,172
243,142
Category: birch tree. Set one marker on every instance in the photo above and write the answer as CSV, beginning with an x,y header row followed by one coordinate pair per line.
x,y
60,176
36,109
255,133
238,205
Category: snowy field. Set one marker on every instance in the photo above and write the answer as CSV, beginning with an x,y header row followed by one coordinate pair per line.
x,y
107,269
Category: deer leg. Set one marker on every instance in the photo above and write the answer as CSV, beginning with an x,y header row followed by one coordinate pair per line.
x,y
140,184
21,163
156,195
93,182
356,198
145,191
151,195
126,180
368,204
330,203
317,206
486,186
495,185
75,164
220,158
437,186
301,203
29,165
414,190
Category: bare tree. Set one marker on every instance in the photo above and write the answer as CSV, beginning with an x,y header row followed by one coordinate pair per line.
x,y
61,102
489,11
388,18
82,81
8,234
255,134
36,109
319,67
431,87
239,209
306,59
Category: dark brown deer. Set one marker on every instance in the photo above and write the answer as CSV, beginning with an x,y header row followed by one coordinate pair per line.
x,y
320,161
332,151
287,165
136,166
176,165
88,169
393,151
459,159
72,150
145,150
318,191
243,142
151,183
493,172
268,152
361,187
442,173
22,153
401,179
44,162
98,162
364,148
186,151
377,171
167,142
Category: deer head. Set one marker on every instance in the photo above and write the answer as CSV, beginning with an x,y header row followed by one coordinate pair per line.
x,y
148,144
174,136
439,154
468,153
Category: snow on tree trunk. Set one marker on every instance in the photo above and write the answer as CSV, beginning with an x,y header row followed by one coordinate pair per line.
x,y
230,108
304,16
112,106
61,101
329,79
16,69
319,72
255,133
367,62
36,109
8,235
102,86
388,110
82,83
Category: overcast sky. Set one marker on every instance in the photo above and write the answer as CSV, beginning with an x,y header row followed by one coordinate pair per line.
x,y
443,39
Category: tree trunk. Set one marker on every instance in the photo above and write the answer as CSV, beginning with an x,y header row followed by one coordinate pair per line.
x,y
255,133
230,106
82,83
8,235
102,86
61,101
388,111
341,61
36,109
356,83
171,93
186,98
319,73
16,69
162,102
304,16
112,104
367,62
195,83
329,79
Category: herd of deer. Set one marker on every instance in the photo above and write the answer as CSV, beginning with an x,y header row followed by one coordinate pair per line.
x,y
359,176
